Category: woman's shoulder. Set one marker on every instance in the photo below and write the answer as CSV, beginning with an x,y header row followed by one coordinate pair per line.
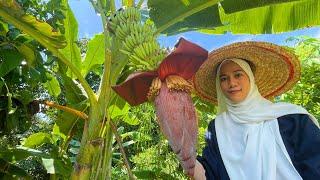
x,y
302,140
294,121
210,132
295,116
297,128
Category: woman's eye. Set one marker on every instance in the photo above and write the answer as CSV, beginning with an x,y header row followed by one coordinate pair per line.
x,y
237,75
223,79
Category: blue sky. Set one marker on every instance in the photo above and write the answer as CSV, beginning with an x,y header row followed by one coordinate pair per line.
x,y
90,24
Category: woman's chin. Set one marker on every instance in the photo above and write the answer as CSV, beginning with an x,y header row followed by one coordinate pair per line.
x,y
236,97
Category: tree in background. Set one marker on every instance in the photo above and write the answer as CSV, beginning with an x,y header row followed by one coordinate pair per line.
x,y
39,50
306,92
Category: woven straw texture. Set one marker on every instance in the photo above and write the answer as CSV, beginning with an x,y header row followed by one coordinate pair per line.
x,y
275,68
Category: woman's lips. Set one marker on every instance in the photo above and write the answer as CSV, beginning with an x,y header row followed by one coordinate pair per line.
x,y
234,91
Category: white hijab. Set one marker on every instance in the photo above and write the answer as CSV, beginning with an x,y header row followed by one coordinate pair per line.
x,y
248,134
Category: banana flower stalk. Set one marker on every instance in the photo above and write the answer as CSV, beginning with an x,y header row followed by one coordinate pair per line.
x,y
170,89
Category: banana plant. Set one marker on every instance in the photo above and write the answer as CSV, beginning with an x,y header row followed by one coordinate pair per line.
x,y
129,43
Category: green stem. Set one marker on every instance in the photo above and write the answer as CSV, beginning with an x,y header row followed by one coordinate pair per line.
x,y
4,43
107,157
139,4
95,174
88,158
184,15
105,80
53,177
112,6
124,156
41,39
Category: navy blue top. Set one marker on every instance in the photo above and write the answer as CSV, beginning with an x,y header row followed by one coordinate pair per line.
x,y
300,136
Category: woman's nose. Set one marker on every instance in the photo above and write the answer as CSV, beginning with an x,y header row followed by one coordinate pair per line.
x,y
232,82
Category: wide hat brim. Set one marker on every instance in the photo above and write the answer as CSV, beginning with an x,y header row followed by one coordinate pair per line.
x,y
276,69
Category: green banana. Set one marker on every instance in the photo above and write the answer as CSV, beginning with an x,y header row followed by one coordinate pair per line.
x,y
138,40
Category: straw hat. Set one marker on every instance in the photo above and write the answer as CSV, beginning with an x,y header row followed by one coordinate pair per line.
x,y
275,68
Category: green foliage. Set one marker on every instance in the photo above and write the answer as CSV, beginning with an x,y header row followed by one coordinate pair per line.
x,y
293,16
52,85
12,12
71,51
229,6
31,32
29,53
52,165
57,166
95,55
9,171
9,60
22,79
48,11
69,124
150,155
21,84
37,139
157,162
307,91
172,17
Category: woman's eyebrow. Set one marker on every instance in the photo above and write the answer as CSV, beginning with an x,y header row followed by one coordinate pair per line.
x,y
233,71
238,70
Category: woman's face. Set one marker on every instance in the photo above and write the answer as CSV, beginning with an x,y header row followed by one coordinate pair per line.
x,y
234,82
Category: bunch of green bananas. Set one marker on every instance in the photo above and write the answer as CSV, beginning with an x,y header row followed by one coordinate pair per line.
x,y
138,40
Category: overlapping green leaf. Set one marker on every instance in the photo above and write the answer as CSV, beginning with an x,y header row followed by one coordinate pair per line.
x,y
272,19
14,155
52,85
67,123
11,12
9,59
1,85
37,139
57,166
179,16
73,92
76,99
147,174
3,28
95,54
52,165
245,16
12,170
29,53
231,6
71,51
114,111
122,113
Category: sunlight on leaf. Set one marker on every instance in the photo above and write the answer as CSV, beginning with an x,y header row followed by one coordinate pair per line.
x,y
95,54
71,51
37,139
52,85
11,12
28,53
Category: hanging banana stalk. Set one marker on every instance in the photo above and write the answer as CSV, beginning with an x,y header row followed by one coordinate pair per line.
x,y
138,40
169,88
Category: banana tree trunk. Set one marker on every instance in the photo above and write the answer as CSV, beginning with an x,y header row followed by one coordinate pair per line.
x,y
90,145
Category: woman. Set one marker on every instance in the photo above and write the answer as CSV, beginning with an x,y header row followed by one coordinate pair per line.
x,y
251,137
